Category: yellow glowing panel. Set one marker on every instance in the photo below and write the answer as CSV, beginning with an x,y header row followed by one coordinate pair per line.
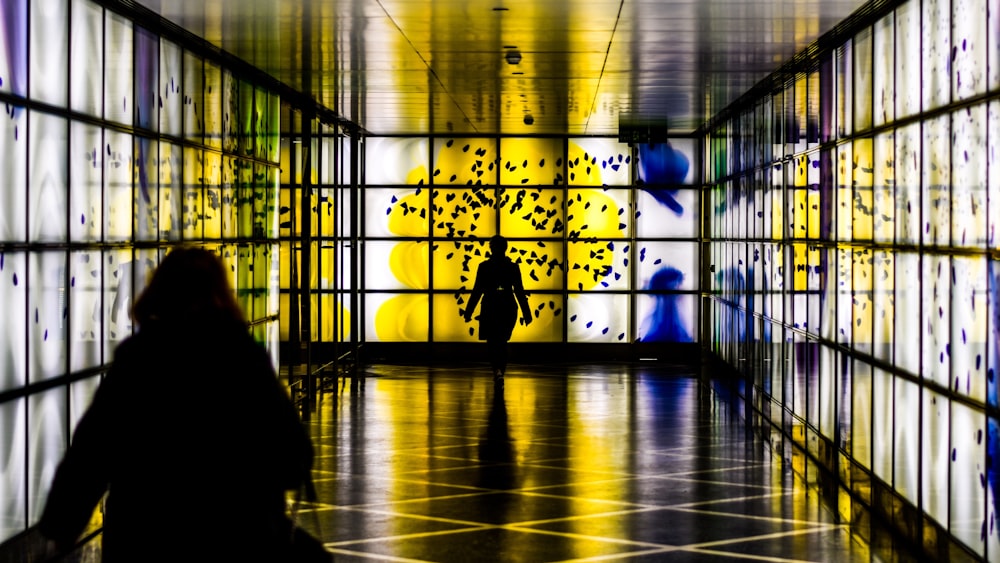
x,y
528,161
597,213
465,161
861,286
800,257
540,263
332,317
455,263
464,212
397,317
599,162
449,324
594,265
532,213
193,203
864,178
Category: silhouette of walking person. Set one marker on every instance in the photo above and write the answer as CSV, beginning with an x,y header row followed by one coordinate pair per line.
x,y
191,434
498,284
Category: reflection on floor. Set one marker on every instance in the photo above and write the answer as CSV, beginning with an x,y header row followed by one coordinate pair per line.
x,y
596,463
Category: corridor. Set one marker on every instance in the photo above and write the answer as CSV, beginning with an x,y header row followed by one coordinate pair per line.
x,y
567,463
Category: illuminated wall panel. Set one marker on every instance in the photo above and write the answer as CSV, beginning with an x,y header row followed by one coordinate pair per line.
x,y
110,154
874,241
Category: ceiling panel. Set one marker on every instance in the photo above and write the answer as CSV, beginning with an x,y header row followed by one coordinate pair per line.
x,y
438,66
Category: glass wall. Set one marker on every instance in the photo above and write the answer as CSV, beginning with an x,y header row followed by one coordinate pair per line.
x,y
852,229
606,236
115,145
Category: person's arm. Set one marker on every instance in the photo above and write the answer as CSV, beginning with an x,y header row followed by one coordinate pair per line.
x,y
477,293
522,297
81,479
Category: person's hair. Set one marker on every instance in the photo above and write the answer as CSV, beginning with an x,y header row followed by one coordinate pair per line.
x,y
498,245
189,284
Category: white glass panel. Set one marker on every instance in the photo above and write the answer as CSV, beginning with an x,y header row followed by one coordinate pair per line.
x,y
13,479
968,37
14,296
169,95
906,341
192,87
967,496
14,51
861,413
668,317
397,161
935,456
397,212
600,162
47,345
845,89
602,213
907,59
81,395
86,161
993,46
936,318
47,435
883,65
48,51
936,55
936,181
862,66
968,326
906,434
882,397
667,213
48,192
118,97
828,295
598,318
882,300
968,177
86,69
13,173
907,189
666,265
118,297
85,310
993,168
118,204
146,63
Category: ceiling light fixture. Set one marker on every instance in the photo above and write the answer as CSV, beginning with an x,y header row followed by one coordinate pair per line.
x,y
513,56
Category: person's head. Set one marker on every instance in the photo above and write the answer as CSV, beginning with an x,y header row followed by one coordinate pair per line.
x,y
189,284
498,245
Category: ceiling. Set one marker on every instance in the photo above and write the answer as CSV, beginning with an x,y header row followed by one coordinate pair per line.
x,y
439,66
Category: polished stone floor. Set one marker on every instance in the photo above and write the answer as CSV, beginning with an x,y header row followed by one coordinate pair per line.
x,y
566,463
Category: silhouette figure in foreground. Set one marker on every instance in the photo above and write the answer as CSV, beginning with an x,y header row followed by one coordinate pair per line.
x,y
499,286
190,433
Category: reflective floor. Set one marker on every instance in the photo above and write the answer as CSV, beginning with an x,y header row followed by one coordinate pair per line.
x,y
596,463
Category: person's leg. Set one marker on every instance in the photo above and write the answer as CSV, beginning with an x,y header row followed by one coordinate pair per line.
x,y
498,356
